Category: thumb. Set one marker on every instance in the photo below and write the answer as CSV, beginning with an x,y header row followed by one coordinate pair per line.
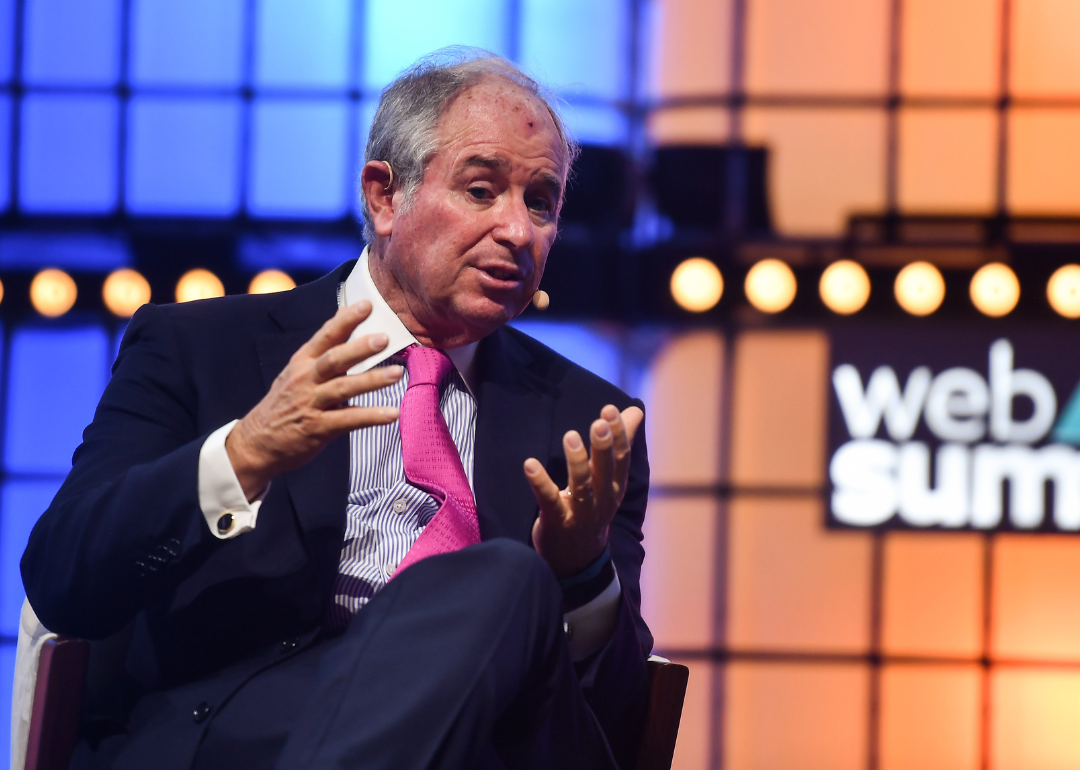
x,y
546,492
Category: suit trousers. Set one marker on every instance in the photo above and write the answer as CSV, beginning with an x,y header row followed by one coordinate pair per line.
x,y
459,662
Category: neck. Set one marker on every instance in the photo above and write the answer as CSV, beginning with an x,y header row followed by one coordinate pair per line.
x,y
416,316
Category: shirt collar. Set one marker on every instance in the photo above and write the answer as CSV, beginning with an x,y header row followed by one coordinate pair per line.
x,y
358,286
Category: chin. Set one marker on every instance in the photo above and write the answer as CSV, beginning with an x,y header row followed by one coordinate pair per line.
x,y
489,315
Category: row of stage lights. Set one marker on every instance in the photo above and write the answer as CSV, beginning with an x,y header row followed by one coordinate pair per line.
x,y
697,285
53,292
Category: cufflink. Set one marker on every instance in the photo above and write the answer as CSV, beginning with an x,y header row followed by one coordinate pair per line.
x,y
225,523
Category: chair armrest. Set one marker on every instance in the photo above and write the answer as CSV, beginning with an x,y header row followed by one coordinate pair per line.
x,y
667,689
58,696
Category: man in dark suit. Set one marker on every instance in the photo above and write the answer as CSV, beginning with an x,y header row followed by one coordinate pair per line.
x,y
243,512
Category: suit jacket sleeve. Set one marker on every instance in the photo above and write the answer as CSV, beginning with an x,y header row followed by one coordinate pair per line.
x,y
126,524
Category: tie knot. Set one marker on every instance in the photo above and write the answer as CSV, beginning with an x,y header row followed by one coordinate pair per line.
x,y
426,366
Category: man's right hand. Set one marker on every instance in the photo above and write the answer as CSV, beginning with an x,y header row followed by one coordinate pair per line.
x,y
307,405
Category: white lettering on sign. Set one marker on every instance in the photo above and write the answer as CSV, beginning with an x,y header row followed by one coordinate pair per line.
x,y
874,479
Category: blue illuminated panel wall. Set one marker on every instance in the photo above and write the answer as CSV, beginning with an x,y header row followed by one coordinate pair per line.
x,y
54,377
220,108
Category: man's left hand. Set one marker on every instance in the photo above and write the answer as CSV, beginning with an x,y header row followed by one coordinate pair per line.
x,y
572,529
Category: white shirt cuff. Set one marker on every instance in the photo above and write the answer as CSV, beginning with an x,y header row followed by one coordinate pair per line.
x,y
590,626
224,504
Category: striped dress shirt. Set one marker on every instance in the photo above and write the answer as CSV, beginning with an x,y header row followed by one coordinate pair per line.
x,y
385,513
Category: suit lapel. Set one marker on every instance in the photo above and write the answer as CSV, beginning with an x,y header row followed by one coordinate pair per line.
x,y
319,489
514,422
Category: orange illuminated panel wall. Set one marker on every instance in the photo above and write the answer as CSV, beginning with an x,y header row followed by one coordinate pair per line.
x,y
778,424
1036,592
683,399
793,585
824,164
796,715
933,595
947,160
817,46
1045,57
868,106
930,717
950,48
696,38
1034,717
1044,161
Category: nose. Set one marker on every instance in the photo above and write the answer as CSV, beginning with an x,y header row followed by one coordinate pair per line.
x,y
514,226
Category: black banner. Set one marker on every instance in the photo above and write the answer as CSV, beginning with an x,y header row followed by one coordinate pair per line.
x,y
955,428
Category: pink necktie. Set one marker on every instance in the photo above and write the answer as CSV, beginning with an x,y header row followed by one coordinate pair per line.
x,y
432,461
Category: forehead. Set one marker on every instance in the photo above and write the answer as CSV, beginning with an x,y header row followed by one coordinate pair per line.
x,y
500,115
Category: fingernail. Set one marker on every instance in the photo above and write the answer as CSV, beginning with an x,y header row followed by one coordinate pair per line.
x,y
394,372
574,441
379,341
532,467
602,430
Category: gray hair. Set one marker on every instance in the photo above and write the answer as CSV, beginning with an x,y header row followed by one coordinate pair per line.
x,y
403,130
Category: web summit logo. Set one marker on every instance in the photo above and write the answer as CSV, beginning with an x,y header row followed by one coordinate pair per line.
x,y
987,465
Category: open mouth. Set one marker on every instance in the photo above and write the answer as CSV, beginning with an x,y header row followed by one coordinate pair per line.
x,y
503,273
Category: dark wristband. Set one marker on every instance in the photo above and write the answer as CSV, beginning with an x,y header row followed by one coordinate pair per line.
x,y
580,589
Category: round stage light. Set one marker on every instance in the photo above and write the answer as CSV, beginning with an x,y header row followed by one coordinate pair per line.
x,y
124,292
270,281
1,291
844,287
697,285
53,292
1063,291
198,284
995,289
770,286
920,288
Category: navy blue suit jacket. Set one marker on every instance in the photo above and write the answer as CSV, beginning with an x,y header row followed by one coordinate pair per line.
x,y
124,545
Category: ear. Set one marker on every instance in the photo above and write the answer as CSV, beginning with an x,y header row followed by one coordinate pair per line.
x,y
379,192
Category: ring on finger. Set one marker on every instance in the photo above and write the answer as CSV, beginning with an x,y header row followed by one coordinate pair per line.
x,y
581,495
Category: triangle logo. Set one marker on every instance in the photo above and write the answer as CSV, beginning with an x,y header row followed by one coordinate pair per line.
x,y
1067,430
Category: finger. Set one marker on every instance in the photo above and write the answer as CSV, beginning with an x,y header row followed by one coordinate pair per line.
x,y
623,428
335,392
545,490
602,464
577,465
337,329
632,418
355,417
340,358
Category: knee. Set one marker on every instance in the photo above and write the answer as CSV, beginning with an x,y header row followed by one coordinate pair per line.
x,y
494,573
509,571
511,562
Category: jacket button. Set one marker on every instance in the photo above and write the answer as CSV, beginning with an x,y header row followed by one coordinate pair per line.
x,y
288,645
201,712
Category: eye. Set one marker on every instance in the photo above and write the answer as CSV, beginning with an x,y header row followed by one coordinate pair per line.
x,y
542,205
479,192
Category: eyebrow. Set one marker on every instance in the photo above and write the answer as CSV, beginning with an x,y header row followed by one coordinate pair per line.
x,y
484,161
494,163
